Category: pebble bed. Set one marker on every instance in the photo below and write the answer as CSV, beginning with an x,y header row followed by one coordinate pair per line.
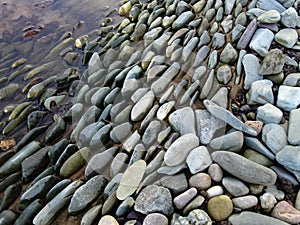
x,y
187,113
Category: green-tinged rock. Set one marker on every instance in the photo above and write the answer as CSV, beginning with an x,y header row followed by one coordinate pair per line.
x,y
19,108
75,162
14,163
55,130
9,90
10,195
29,213
220,207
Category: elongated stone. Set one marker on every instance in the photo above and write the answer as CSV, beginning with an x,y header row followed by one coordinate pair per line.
x,y
247,35
141,108
131,179
46,215
179,149
29,213
244,169
228,117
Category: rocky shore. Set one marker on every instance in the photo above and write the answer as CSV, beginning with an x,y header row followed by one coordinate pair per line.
x,y
187,113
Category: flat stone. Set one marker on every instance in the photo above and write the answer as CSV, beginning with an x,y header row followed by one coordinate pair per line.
x,y
289,17
198,159
201,55
215,172
260,92
245,202
229,142
289,157
269,113
288,97
164,110
85,194
131,179
141,108
151,132
246,218
228,5
156,218
176,183
131,142
196,203
251,67
274,136
29,213
89,217
270,5
220,207
108,220
224,74
272,63
292,79
247,35
244,169
294,127
183,20
261,41
183,121
229,54
235,186
287,37
120,132
154,198
271,16
8,217
258,158
176,154
237,32
184,198
220,97
286,212
201,181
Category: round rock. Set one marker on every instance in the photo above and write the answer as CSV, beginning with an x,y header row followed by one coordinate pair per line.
x,y
220,207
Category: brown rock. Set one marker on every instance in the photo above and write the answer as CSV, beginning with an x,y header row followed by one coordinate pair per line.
x,y
286,212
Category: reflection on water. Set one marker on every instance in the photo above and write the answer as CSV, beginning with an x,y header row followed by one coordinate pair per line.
x,y
37,40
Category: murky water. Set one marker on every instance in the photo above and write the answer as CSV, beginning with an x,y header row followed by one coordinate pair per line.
x,y
31,29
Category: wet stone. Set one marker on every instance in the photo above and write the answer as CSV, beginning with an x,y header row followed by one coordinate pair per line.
x,y
86,194
154,198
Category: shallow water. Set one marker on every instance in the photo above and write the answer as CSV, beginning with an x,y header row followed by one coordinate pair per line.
x,y
30,29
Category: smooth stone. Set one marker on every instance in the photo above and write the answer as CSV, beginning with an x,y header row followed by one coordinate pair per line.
x,y
120,132
208,86
214,191
228,55
45,216
29,213
244,169
278,194
151,132
85,194
183,121
156,218
188,95
218,40
226,24
235,187
270,16
141,108
272,63
251,67
109,203
245,202
224,74
267,201
89,217
112,186
184,198
237,32
294,127
194,217
220,97
261,41
292,79
131,179
255,124
207,125
286,212
108,220
118,164
258,158
196,203
269,113
189,48
229,142
204,39
220,207
227,117
171,170
198,159
154,198
229,4
138,94
182,20
164,110
289,157
175,154
215,172
199,73
131,142
176,183
289,18
287,37
274,136
247,35
297,202
288,97
57,188
201,55
10,194
260,92
8,217
154,164
270,5
201,181
247,217
99,161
